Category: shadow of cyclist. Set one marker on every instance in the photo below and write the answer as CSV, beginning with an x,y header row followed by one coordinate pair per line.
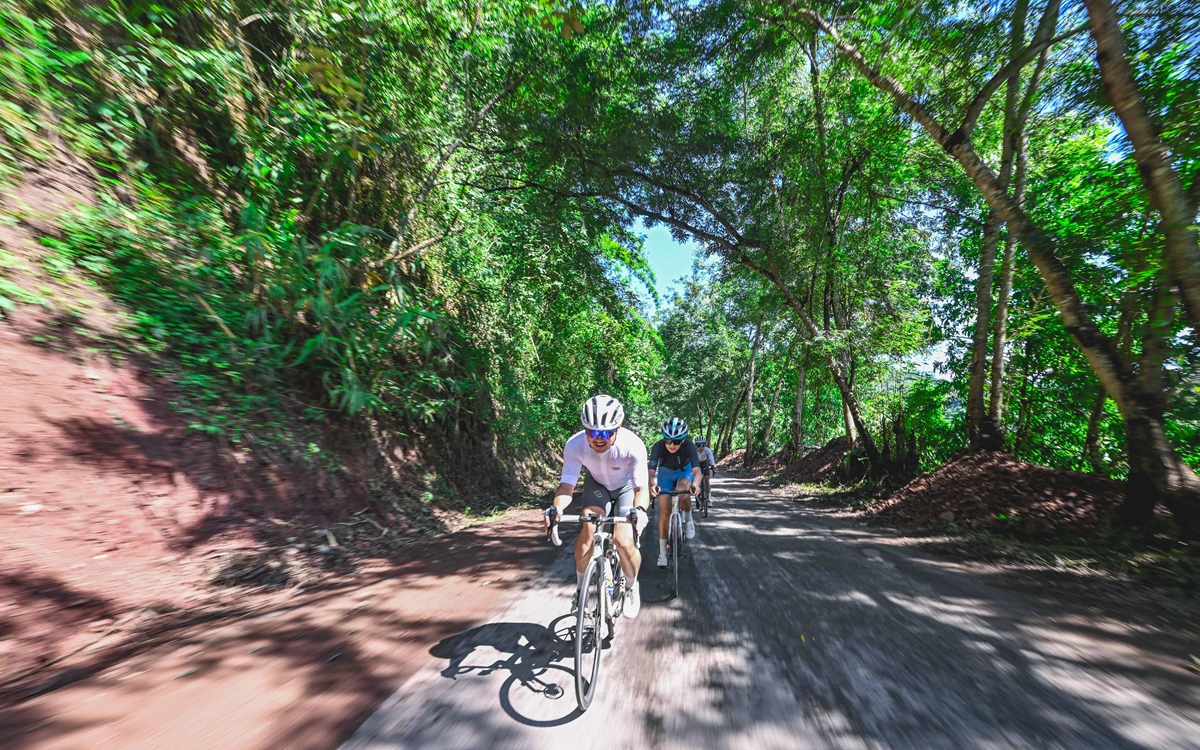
x,y
532,651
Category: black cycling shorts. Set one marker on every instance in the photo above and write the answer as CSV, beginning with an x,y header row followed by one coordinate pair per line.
x,y
707,471
596,495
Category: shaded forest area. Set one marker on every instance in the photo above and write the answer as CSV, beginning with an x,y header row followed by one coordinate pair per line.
x,y
926,227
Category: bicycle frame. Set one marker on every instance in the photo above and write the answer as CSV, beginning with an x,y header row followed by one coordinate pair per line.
x,y
604,569
675,536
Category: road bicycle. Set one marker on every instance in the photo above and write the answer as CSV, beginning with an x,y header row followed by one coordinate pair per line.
x,y
704,498
601,599
675,537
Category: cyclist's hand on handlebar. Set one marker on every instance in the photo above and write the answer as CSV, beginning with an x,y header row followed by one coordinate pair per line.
x,y
655,492
694,489
638,518
552,513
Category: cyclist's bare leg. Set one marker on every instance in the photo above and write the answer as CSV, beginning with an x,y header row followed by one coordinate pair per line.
x,y
685,501
583,545
664,516
631,557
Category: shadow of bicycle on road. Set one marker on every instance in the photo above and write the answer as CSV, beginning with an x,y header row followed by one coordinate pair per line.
x,y
538,692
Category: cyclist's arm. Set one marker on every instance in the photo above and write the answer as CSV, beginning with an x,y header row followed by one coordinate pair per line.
x,y
562,498
571,467
647,466
641,498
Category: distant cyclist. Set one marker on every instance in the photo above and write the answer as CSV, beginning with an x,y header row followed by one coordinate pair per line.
x,y
674,465
617,474
708,463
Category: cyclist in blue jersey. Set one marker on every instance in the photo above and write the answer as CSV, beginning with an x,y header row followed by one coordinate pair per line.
x,y
674,465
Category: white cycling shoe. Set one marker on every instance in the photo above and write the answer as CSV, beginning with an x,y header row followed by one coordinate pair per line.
x,y
633,601
691,528
662,559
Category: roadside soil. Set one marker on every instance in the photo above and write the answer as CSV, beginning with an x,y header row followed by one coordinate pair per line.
x,y
299,669
155,591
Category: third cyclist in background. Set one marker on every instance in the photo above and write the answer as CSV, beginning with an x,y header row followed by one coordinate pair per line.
x,y
708,464
674,465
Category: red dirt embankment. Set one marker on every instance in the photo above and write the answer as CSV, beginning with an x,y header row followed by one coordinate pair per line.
x,y
818,465
732,461
992,488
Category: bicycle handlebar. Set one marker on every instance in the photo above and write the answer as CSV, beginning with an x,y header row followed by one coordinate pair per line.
x,y
557,518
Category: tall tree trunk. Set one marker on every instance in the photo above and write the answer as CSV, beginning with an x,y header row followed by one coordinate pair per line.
x,y
1020,147
1000,324
1091,443
748,457
796,441
729,426
1152,155
764,436
983,435
848,422
979,342
1022,441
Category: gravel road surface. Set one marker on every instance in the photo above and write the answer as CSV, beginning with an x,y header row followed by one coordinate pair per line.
x,y
795,629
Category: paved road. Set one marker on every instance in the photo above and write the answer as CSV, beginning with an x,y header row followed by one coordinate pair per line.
x,y
798,630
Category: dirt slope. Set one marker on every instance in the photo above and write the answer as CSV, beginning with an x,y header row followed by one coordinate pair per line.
x,y
991,488
818,465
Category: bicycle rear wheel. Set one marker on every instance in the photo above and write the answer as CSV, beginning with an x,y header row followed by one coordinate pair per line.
x,y
588,636
676,541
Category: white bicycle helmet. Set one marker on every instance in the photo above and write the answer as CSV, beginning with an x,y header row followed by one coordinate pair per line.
x,y
674,429
602,412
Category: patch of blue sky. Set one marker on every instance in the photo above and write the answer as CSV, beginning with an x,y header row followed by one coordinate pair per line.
x,y
670,260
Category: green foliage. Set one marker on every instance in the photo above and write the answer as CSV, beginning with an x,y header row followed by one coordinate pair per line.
x,y
425,210
293,206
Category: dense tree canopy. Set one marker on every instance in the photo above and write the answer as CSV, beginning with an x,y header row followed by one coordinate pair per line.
x,y
925,226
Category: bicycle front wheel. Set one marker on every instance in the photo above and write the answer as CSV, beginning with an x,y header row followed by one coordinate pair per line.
x,y
616,603
588,635
676,542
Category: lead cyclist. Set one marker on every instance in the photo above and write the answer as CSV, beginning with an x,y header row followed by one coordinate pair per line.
x,y
617,484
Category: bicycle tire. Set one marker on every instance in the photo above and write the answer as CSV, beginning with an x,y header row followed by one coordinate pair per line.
x,y
618,598
705,508
588,623
676,541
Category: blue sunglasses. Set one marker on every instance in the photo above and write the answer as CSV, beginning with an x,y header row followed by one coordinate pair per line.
x,y
600,434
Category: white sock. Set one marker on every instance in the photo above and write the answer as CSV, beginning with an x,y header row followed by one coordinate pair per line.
x,y
689,515
578,578
662,547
